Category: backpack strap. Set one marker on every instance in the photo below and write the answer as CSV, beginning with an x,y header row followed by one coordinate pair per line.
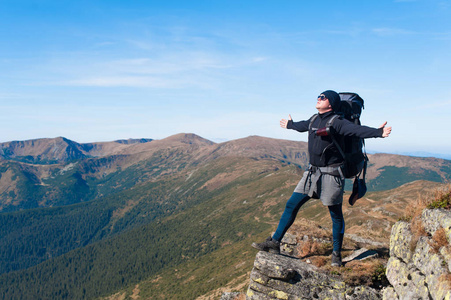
x,y
312,119
365,157
328,126
365,163
331,120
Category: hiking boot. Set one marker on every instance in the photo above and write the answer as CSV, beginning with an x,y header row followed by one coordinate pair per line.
x,y
270,245
336,259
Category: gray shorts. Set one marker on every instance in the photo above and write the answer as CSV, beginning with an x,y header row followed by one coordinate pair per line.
x,y
328,188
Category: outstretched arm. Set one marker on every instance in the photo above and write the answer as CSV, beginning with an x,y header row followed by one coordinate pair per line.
x,y
347,128
300,126
284,123
387,130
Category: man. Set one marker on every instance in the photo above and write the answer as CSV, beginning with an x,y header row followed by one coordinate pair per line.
x,y
324,179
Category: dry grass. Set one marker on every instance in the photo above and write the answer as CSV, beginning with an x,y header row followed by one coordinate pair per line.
x,y
445,278
312,239
369,272
414,211
303,226
314,245
442,198
318,261
439,198
417,228
240,297
311,248
439,240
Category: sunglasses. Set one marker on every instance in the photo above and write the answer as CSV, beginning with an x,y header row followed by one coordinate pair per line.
x,y
322,97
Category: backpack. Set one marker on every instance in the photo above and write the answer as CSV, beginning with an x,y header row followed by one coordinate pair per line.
x,y
350,148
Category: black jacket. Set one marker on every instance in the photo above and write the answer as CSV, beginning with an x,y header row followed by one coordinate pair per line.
x,y
322,150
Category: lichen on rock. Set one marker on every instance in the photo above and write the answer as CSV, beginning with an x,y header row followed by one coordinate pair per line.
x,y
416,270
284,277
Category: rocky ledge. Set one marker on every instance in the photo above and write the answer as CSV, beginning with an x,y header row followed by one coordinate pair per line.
x,y
419,267
284,277
420,258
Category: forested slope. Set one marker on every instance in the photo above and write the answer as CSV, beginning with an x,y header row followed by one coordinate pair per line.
x,y
220,213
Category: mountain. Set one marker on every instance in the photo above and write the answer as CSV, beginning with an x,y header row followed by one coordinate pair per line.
x,y
56,172
60,150
42,151
103,168
426,154
172,209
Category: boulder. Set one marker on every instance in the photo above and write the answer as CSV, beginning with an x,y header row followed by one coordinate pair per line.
x,y
417,270
283,277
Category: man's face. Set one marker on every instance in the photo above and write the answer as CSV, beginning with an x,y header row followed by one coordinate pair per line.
x,y
322,104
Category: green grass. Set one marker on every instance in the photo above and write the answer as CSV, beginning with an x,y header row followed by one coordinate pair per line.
x,y
443,201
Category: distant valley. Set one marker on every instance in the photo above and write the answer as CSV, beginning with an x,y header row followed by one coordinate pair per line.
x,y
132,210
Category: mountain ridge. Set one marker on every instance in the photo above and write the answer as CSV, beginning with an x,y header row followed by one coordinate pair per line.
x,y
60,171
60,149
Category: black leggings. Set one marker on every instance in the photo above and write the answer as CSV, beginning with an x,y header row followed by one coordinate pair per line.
x,y
291,210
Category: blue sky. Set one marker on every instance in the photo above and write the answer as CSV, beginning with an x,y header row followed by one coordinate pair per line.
x,y
107,70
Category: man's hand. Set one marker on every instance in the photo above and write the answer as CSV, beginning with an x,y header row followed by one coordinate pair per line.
x,y
284,123
387,130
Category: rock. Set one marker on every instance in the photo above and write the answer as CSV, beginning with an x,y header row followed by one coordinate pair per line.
x,y
415,269
230,295
283,277
288,245
289,239
254,295
359,239
425,260
419,267
273,267
389,293
407,282
361,254
432,265
433,219
400,241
